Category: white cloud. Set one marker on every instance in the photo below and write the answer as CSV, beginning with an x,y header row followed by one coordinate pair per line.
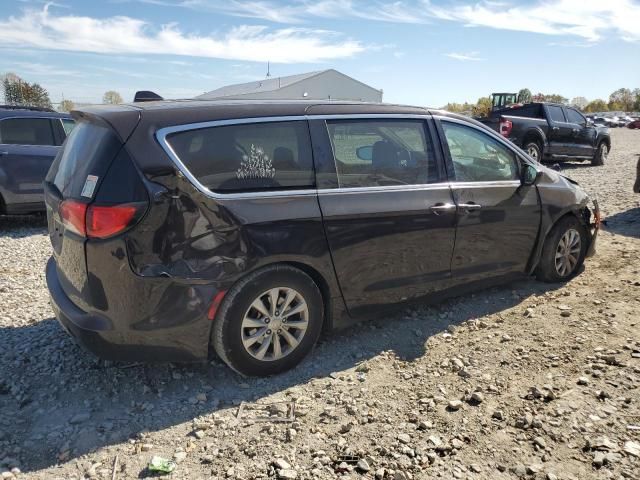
x,y
301,11
126,35
587,19
464,57
43,69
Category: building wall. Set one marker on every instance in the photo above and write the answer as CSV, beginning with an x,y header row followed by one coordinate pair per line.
x,y
329,85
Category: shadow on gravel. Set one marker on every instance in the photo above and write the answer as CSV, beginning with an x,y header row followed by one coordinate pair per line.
x,y
625,223
19,226
58,402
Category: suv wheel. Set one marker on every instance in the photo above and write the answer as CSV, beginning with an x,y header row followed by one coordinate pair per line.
x,y
534,151
269,321
563,252
601,154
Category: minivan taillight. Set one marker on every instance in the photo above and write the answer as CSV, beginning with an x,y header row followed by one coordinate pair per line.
x,y
103,222
73,216
99,221
505,127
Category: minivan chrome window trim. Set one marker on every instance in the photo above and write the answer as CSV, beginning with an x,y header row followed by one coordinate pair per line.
x,y
162,134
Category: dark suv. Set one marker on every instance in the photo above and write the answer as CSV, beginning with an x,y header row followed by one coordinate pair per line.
x,y
30,138
249,227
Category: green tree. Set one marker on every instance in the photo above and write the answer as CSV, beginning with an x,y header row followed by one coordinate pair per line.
x,y
458,107
524,95
636,99
621,99
66,106
596,106
18,92
482,108
555,98
111,97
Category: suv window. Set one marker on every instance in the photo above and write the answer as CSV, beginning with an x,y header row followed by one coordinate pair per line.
x,y
26,131
257,156
382,152
575,117
68,125
477,157
556,113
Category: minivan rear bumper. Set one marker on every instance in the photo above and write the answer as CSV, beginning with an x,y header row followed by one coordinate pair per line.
x,y
97,334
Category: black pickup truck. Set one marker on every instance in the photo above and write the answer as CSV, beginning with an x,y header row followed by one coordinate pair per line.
x,y
548,131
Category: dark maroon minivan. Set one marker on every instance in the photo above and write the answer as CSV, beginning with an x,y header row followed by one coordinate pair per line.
x,y
247,228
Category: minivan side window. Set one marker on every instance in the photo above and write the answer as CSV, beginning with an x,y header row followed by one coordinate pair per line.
x,y
247,157
26,131
477,157
371,153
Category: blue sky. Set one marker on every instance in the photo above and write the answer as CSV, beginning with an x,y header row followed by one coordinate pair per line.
x,y
422,52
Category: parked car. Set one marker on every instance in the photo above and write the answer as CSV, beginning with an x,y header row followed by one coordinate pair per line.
x,y
30,138
247,228
548,131
634,124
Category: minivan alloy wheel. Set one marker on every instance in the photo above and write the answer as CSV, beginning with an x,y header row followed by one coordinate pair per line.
x,y
274,324
568,252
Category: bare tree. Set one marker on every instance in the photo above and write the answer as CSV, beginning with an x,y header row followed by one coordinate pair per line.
x,y
112,97
66,106
580,102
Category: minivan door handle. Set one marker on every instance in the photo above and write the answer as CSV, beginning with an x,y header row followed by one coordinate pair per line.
x,y
466,207
439,208
2,154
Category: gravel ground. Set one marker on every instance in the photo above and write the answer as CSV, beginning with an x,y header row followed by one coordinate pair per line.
x,y
528,380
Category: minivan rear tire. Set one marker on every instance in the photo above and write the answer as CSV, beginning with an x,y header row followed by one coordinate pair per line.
x,y
547,270
230,330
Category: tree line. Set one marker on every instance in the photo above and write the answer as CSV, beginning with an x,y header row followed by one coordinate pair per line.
x,y
622,100
19,92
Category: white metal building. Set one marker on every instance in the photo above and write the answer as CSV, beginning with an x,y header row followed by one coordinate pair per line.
x,y
321,85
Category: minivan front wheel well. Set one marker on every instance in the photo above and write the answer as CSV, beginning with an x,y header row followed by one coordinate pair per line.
x,y
566,241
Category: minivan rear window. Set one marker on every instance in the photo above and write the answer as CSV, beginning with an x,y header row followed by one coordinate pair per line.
x,y
88,150
247,157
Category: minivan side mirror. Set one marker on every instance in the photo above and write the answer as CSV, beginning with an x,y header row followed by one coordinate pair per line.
x,y
365,153
529,175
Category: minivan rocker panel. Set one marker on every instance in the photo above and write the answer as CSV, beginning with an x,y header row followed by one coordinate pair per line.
x,y
247,228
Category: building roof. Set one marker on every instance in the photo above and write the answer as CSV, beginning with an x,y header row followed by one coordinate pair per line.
x,y
268,85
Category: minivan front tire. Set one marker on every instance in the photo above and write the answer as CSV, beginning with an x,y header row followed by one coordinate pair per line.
x,y
563,252
268,321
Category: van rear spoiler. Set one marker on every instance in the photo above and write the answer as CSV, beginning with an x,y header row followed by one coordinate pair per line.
x,y
146,96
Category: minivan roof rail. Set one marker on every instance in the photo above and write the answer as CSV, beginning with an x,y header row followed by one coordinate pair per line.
x,y
146,96
26,107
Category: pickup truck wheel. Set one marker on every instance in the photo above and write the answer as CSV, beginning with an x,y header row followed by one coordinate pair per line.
x,y
601,154
563,252
533,150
